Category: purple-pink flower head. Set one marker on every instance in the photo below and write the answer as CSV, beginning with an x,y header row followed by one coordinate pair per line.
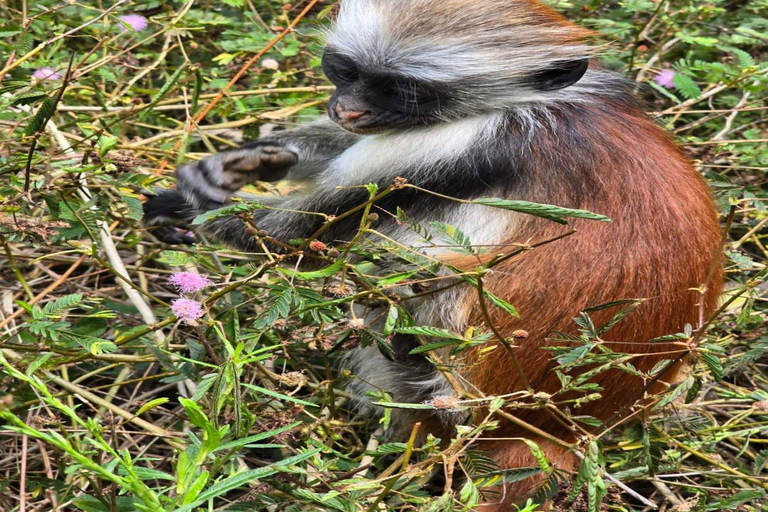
x,y
136,21
188,310
46,74
189,282
666,79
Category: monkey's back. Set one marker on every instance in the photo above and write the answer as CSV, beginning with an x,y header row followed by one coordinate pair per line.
x,y
662,247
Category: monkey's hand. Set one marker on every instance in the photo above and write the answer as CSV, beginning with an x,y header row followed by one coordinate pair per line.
x,y
167,215
209,183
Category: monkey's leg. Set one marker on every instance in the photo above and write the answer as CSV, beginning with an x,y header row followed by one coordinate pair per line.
x,y
516,454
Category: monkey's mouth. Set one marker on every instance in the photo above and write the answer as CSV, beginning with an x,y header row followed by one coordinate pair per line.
x,y
372,123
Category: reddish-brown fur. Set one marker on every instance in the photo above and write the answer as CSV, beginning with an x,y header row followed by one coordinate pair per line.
x,y
662,246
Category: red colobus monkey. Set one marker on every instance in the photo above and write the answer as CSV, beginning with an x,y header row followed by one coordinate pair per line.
x,y
493,98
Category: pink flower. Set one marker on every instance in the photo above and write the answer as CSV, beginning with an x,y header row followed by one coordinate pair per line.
x,y
444,402
189,282
187,310
46,74
666,79
136,21
317,245
270,64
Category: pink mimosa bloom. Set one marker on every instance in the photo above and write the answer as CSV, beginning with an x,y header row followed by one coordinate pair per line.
x,y
46,74
136,21
666,79
189,282
188,310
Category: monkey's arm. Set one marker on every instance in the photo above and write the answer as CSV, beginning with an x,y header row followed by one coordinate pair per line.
x,y
298,153
315,144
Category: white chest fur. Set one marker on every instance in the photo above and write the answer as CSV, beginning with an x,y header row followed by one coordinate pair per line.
x,y
425,150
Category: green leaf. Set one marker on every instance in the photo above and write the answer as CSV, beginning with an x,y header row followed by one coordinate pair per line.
x,y
106,143
196,415
226,211
744,59
153,474
239,443
135,208
317,274
395,278
37,363
469,494
741,497
168,85
547,211
442,504
194,489
714,364
151,405
433,332
279,396
686,86
389,324
761,460
9,30
91,504
660,366
434,346
670,337
507,476
235,481
457,240
43,114
24,43
676,392
391,448
65,302
694,391
398,405
539,455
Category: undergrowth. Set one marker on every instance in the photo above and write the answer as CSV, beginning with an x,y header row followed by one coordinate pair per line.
x,y
110,403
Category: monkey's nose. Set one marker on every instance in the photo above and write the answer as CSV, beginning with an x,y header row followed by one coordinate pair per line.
x,y
350,115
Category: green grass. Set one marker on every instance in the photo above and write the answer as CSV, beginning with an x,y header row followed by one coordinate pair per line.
x,y
91,381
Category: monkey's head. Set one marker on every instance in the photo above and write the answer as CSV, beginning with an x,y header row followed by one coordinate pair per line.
x,y
404,63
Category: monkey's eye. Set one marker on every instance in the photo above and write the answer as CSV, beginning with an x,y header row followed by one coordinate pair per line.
x,y
339,69
346,74
340,76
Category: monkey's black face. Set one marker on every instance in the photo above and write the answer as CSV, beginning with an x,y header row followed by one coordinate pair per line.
x,y
370,102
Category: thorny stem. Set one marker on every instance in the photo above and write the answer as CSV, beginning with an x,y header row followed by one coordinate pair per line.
x,y
504,342
346,214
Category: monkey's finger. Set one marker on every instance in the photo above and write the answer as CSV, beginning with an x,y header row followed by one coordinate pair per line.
x,y
278,157
258,163
204,182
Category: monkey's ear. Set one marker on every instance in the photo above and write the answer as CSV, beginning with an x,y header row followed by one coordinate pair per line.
x,y
561,76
